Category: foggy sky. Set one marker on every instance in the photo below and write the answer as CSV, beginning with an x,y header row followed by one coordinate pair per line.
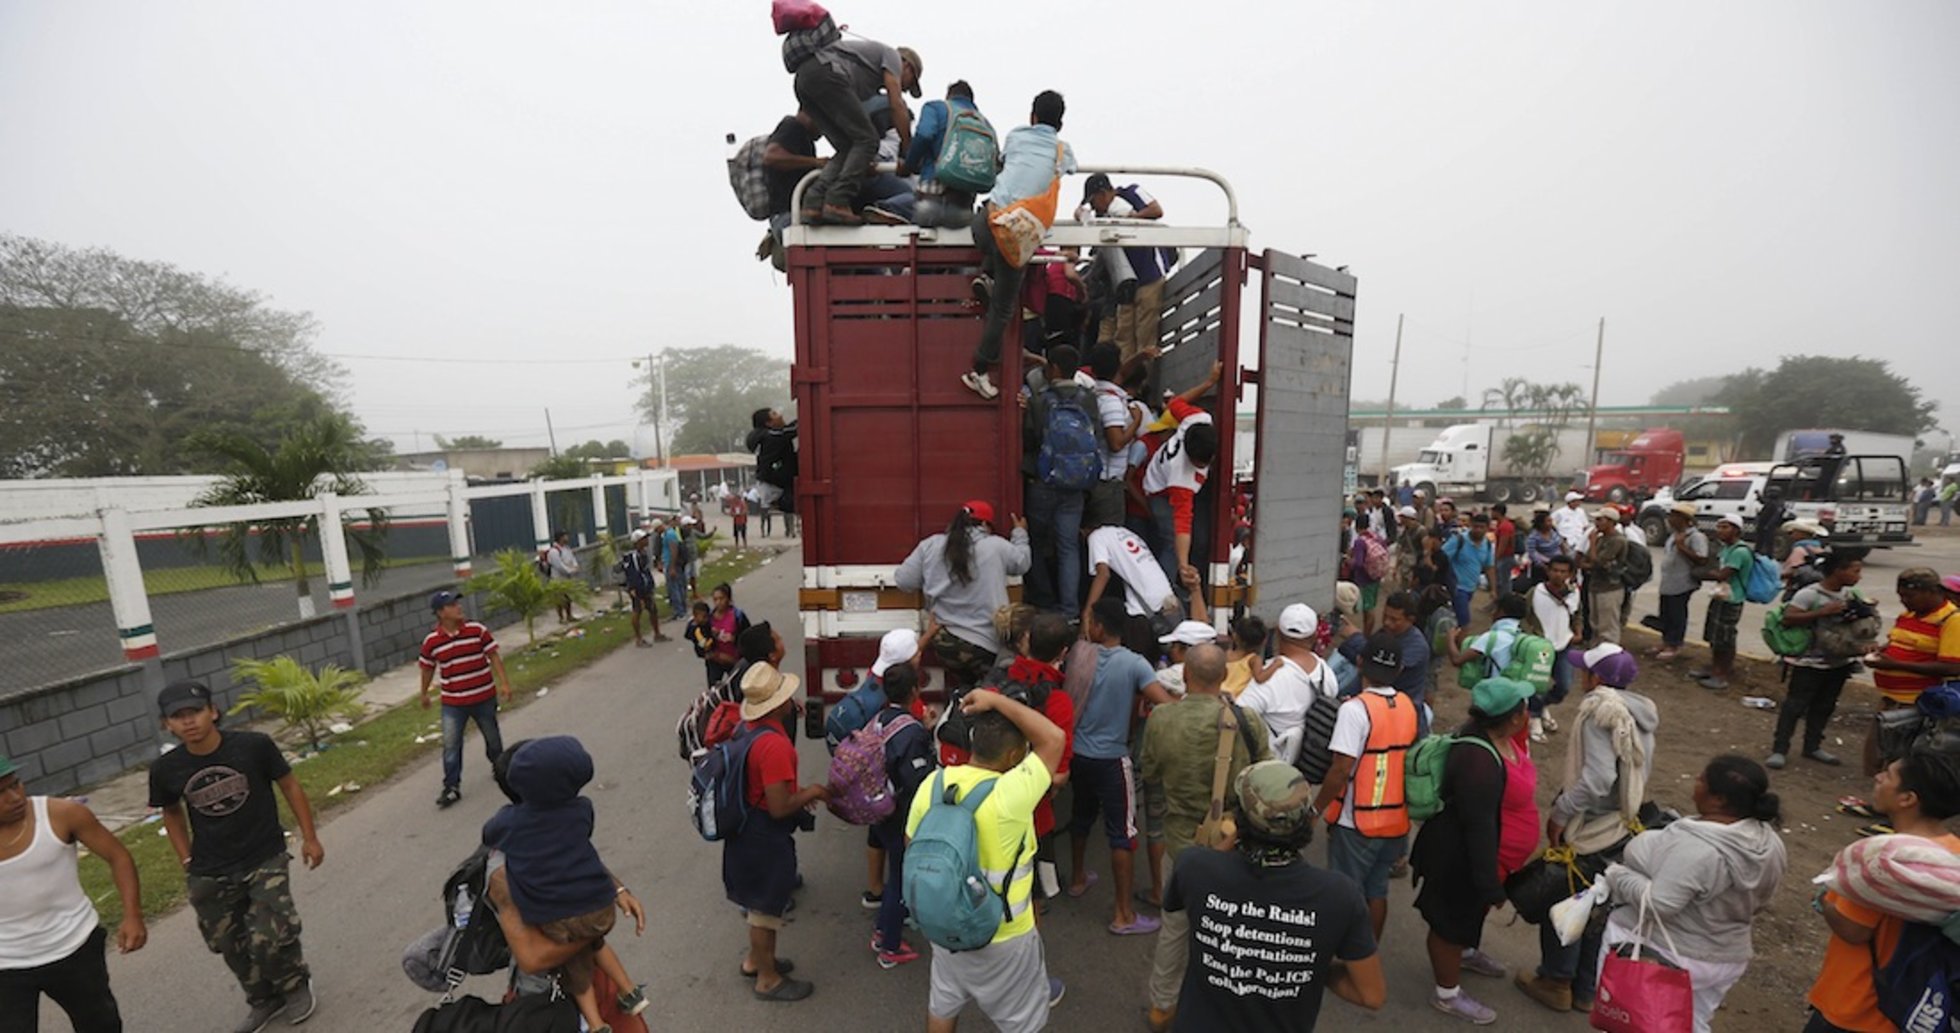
x,y
533,194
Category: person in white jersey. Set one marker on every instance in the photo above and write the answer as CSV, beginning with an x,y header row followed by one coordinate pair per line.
x,y
1147,594
50,942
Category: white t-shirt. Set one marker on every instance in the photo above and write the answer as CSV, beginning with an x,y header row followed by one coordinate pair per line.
x,y
1555,616
1574,526
1145,586
1635,535
1113,406
1284,698
1350,739
1171,467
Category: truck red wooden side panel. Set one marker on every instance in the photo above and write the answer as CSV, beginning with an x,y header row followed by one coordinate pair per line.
x,y
891,441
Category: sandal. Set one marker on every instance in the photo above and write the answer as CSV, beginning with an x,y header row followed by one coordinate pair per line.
x,y
1877,828
1087,884
1856,808
784,967
1141,925
1143,897
787,990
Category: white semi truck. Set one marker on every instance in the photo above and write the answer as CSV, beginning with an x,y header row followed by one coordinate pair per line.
x,y
1468,459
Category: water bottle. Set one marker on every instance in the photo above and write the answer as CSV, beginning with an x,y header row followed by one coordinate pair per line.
x,y
976,890
465,904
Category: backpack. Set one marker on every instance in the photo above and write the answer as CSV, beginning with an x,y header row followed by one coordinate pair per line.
x,y
1422,773
717,792
945,886
863,790
749,179
969,153
1917,988
853,712
955,727
1854,632
683,551
544,565
1531,661
800,45
1783,639
474,944
1765,580
1638,567
1374,557
535,1013
700,726
1071,452
1316,737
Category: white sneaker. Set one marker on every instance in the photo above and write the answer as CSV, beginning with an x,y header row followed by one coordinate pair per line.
x,y
1551,723
980,384
1538,730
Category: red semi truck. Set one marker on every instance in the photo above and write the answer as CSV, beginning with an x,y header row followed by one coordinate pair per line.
x,y
1647,464
891,442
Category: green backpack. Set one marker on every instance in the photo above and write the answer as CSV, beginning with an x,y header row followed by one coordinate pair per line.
x,y
969,155
1422,773
1531,661
1782,639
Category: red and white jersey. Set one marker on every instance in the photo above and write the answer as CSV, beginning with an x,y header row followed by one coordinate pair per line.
x,y
1170,467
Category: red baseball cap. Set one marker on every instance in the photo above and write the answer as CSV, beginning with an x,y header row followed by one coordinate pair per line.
x,y
1951,582
980,511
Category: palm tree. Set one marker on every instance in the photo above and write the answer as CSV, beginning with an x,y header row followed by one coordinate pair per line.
x,y
301,698
515,585
319,454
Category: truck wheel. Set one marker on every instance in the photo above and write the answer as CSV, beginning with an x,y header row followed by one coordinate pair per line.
x,y
1617,494
1654,526
1428,491
1501,491
1527,493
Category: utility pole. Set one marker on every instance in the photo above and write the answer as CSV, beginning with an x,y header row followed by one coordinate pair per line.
x,y
1592,410
1388,427
657,377
550,435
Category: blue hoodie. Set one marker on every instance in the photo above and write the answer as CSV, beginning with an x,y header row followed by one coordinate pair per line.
x,y
552,868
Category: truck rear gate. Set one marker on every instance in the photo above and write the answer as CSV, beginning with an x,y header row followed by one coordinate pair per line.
x,y
891,442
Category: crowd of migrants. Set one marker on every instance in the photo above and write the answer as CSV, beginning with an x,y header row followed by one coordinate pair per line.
x,y
1218,759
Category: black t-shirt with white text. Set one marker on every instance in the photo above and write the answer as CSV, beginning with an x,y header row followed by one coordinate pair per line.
x,y
1263,940
228,795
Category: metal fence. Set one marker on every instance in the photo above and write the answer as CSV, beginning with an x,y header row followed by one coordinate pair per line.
x,y
187,583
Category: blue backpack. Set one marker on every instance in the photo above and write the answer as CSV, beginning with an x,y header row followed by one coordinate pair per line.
x,y
853,712
945,886
717,793
1918,985
1765,581
1071,455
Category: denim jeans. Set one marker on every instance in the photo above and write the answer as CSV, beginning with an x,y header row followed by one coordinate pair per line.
x,y
1674,619
1163,538
677,594
1561,686
890,193
1460,603
1055,523
453,720
891,910
1578,963
1003,299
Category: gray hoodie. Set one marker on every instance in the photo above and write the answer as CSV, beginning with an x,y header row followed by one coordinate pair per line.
x,y
967,610
1707,881
1595,791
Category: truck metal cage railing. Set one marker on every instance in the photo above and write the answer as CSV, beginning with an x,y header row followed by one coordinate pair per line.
x,y
1067,232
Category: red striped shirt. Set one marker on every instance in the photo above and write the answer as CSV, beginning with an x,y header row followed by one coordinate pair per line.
x,y
462,663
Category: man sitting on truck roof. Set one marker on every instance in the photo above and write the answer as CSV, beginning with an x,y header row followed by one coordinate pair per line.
x,y
940,204
1031,160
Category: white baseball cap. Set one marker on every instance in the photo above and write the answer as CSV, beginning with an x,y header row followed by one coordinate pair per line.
x,y
1298,621
1732,520
1190,633
638,534
898,646
1575,496
1407,511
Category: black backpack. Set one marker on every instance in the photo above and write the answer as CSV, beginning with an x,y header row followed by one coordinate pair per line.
x,y
1638,567
956,729
1918,986
536,1013
474,945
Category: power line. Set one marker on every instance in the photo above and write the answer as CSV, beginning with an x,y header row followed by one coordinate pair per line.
x,y
357,356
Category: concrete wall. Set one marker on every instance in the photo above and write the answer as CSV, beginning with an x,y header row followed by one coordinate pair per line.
x,y
94,727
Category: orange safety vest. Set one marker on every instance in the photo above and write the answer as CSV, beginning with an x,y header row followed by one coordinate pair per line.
x,y
1380,809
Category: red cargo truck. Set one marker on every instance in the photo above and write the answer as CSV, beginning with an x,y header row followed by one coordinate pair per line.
x,y
891,442
1647,464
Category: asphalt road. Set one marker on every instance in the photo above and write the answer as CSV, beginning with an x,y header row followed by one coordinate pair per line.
x,y
388,854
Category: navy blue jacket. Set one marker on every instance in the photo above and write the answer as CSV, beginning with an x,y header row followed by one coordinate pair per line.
x,y
552,868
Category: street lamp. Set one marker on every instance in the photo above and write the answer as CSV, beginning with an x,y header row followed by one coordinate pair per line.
x,y
660,411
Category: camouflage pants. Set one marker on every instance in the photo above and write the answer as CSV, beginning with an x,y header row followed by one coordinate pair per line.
x,y
249,919
965,662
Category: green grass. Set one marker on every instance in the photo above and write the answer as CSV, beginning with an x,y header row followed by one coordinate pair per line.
x,y
77,591
380,746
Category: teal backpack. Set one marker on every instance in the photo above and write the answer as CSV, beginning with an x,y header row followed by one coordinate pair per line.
x,y
1422,774
945,886
969,154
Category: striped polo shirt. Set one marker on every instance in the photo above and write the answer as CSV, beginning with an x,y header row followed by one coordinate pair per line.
x,y
462,663
1919,638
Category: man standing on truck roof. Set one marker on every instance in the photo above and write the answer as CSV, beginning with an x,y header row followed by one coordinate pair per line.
x,y
940,204
1134,326
832,86
1032,160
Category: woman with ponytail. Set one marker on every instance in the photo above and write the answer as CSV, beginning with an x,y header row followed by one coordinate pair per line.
x,y
963,575
1703,878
